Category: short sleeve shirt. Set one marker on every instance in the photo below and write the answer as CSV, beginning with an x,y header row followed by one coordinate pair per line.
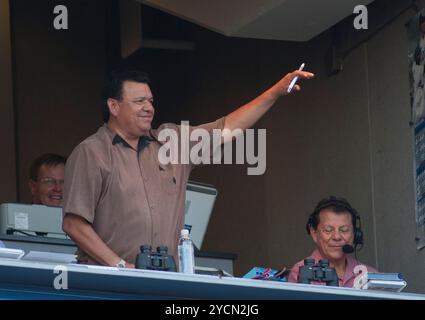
x,y
128,196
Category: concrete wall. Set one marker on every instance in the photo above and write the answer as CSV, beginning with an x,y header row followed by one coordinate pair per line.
x,y
392,149
58,76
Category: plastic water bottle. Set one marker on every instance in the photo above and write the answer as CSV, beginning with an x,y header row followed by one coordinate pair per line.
x,y
186,253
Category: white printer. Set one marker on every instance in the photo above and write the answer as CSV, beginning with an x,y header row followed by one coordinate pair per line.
x,y
31,220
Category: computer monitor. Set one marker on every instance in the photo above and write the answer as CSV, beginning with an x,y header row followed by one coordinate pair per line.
x,y
200,199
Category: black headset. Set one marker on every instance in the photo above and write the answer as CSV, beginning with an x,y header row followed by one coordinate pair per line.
x,y
341,205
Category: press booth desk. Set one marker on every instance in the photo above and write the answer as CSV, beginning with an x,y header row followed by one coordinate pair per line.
x,y
34,280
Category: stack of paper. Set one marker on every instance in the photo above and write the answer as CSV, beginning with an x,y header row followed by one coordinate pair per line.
x,y
383,281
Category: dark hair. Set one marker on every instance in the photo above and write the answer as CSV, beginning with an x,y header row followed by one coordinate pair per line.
x,y
112,88
49,159
337,205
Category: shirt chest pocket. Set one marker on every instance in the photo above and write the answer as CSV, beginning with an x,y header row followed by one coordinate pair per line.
x,y
167,179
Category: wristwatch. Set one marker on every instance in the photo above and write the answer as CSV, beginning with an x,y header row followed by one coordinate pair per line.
x,y
121,264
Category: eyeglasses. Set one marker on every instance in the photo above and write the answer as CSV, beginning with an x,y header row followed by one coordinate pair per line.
x,y
51,182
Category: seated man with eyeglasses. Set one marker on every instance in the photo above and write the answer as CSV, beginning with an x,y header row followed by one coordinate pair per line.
x,y
335,228
46,179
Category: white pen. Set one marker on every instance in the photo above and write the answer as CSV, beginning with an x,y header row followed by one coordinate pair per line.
x,y
294,81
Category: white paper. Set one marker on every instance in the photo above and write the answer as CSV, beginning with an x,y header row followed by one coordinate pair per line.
x,y
21,221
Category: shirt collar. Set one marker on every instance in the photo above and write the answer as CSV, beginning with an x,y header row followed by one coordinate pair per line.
x,y
142,143
117,139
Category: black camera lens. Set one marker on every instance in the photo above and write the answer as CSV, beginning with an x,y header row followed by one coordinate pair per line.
x,y
309,262
162,249
324,263
146,248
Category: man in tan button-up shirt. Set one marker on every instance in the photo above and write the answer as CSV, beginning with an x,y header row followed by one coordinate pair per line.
x,y
117,194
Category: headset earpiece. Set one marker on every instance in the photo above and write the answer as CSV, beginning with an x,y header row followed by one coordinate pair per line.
x,y
358,233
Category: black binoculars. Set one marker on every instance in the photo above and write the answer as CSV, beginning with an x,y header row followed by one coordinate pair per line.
x,y
159,260
321,272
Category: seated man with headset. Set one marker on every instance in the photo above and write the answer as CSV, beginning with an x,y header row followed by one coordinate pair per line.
x,y
335,228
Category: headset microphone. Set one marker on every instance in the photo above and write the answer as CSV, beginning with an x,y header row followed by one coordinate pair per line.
x,y
347,248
